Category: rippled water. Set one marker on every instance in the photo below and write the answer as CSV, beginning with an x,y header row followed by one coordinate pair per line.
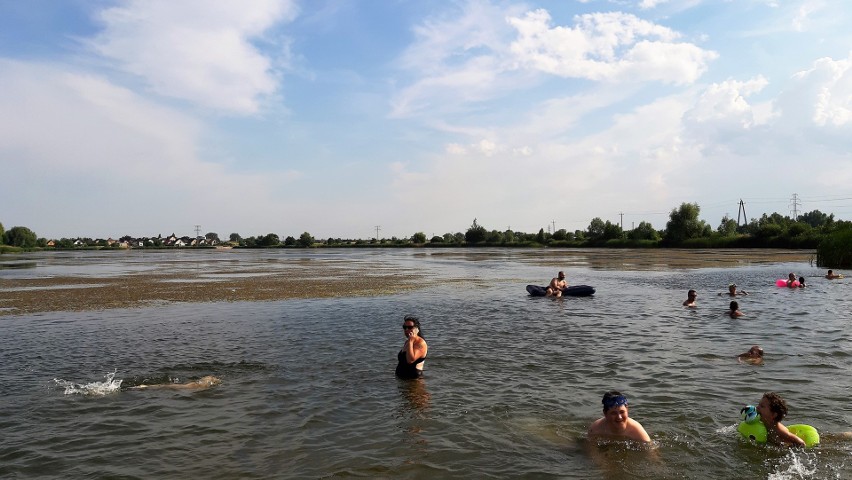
x,y
512,382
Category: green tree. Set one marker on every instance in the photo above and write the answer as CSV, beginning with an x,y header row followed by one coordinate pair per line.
x,y
612,231
540,237
509,237
2,234
437,239
21,237
305,240
290,241
418,237
684,224
268,240
476,233
560,234
494,237
816,219
211,236
644,231
727,227
596,229
235,237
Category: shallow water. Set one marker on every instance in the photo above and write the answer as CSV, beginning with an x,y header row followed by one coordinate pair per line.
x,y
512,382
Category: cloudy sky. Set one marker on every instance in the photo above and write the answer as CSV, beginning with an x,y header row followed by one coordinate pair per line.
x,y
146,117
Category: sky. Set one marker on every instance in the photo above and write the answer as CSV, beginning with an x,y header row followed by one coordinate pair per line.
x,y
347,118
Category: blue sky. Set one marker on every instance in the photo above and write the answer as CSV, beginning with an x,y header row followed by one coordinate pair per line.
x,y
334,117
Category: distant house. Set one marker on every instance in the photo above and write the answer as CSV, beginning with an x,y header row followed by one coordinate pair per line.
x,y
110,241
78,243
51,243
179,243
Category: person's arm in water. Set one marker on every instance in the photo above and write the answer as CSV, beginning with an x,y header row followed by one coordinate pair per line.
x,y
783,435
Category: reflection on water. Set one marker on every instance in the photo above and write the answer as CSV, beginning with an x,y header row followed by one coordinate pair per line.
x,y
511,385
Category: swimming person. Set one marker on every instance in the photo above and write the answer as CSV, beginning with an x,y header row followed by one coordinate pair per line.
x,y
616,423
554,289
790,279
413,353
690,298
772,409
202,383
831,276
754,356
801,282
732,291
735,310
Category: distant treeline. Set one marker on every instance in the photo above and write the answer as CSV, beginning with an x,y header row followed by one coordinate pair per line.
x,y
812,230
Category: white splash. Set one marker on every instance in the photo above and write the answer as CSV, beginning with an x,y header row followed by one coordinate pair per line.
x,y
110,385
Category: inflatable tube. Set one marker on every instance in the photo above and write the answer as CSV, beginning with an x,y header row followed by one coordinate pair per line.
x,y
573,291
757,431
806,432
753,430
781,282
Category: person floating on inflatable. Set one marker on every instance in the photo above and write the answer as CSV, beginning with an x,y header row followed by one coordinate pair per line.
x,y
763,424
616,423
791,281
557,284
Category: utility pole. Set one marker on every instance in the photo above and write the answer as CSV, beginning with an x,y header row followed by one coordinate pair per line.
x,y
197,230
554,225
794,205
621,222
378,227
741,210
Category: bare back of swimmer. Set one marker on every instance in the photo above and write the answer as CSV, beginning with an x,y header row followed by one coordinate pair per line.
x,y
202,383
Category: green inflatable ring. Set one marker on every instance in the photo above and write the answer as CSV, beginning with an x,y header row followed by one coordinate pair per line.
x,y
757,431
806,432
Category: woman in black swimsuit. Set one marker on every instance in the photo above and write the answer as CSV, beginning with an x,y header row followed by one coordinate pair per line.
x,y
413,351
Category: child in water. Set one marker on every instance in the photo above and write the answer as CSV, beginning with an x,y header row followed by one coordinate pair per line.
x,y
772,409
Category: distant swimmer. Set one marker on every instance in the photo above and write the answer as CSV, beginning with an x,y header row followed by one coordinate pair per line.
x,y
732,291
754,356
616,423
735,310
801,282
690,298
202,383
831,275
554,289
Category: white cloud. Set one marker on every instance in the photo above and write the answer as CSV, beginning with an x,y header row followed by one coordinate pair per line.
x,y
98,159
606,46
805,10
485,51
195,50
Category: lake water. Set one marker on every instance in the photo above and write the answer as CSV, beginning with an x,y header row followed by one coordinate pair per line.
x,y
511,382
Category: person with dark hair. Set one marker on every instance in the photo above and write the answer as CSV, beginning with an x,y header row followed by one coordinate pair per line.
x,y
831,275
616,423
413,353
735,310
690,298
754,356
557,284
801,282
772,409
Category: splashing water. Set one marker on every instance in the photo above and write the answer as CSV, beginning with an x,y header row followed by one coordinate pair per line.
x,y
110,385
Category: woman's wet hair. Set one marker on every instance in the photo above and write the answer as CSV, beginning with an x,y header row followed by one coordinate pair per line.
x,y
734,306
416,322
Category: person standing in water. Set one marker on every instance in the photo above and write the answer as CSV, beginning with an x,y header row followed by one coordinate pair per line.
x,y
413,353
690,298
616,423
735,310
732,291
754,356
